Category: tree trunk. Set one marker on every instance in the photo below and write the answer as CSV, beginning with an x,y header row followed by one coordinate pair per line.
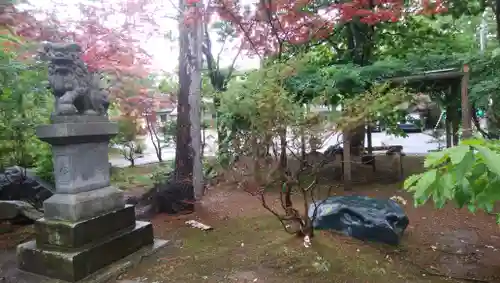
x,y
196,33
183,155
155,139
357,140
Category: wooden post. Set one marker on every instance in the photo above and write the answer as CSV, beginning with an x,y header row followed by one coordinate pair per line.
x,y
399,158
447,123
370,145
347,162
466,109
455,125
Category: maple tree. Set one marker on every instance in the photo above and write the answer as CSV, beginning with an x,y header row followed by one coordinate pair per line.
x,y
110,34
268,26
106,30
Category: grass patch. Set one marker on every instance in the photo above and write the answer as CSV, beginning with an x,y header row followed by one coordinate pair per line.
x,y
257,248
138,176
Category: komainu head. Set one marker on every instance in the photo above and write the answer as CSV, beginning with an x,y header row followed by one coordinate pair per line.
x,y
67,71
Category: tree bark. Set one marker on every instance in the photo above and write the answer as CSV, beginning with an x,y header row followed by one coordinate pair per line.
x,y
155,139
183,156
195,62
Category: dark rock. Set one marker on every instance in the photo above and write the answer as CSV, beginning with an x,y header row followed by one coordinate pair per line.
x,y
361,217
8,210
17,183
18,212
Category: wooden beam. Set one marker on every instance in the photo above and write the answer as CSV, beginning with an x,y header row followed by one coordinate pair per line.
x,y
436,75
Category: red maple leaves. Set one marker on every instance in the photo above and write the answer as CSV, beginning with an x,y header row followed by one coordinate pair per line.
x,y
107,45
267,24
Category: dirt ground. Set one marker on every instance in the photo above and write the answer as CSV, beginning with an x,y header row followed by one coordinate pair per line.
x,y
249,245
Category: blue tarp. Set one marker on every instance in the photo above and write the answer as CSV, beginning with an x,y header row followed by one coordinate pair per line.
x,y
361,217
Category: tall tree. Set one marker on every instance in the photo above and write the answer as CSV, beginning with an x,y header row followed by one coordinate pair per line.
x,y
219,77
195,62
183,154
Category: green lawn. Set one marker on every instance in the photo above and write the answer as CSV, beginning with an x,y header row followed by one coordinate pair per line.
x,y
135,177
245,249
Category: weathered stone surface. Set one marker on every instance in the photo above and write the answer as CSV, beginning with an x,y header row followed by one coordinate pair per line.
x,y
85,205
21,184
86,225
13,209
78,119
8,210
81,167
76,90
12,274
74,266
73,133
61,235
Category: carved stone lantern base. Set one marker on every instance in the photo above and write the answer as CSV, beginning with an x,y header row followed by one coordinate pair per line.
x,y
86,224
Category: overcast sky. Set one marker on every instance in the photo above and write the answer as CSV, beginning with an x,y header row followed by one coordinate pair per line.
x,y
164,51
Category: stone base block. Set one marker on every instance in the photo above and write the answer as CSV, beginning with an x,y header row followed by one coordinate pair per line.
x,y
63,235
73,130
85,205
81,263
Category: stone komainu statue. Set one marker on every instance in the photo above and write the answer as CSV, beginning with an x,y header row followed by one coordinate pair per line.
x,y
76,90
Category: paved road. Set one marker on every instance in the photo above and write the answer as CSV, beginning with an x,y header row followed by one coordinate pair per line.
x,y
168,153
415,143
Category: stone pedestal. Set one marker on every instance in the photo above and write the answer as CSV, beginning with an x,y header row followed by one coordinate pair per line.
x,y
86,224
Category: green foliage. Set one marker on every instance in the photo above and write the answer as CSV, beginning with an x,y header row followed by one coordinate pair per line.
x,y
163,173
169,132
260,101
126,139
168,85
339,82
419,35
413,45
468,174
381,103
44,164
25,103
257,108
